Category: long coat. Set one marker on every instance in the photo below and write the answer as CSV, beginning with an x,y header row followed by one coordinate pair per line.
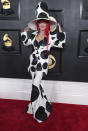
x,y
40,106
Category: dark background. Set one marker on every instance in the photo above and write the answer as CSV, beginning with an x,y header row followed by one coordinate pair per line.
x,y
71,61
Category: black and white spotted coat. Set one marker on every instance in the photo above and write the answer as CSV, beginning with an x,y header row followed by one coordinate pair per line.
x,y
40,55
40,107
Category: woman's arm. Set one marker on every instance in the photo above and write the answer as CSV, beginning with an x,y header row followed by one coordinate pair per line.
x,y
60,30
60,37
24,37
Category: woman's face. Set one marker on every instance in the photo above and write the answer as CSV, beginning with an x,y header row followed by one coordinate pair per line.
x,y
42,25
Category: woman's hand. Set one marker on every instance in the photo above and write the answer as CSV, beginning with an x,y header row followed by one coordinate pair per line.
x,y
27,29
60,30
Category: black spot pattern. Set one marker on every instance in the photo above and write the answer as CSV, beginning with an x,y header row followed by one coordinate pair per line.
x,y
44,54
53,38
23,37
48,107
44,6
34,76
45,97
32,36
37,52
39,67
44,74
34,62
56,42
41,90
41,114
32,69
36,44
34,56
34,93
45,65
26,41
60,36
42,15
38,58
37,7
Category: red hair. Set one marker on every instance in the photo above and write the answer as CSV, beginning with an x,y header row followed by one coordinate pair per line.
x,y
46,30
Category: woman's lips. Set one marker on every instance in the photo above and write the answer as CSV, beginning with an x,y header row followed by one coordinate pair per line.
x,y
42,26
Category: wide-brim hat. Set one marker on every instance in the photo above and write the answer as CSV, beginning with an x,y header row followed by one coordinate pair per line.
x,y
41,12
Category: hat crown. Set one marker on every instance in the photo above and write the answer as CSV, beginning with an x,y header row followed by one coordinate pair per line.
x,y
42,10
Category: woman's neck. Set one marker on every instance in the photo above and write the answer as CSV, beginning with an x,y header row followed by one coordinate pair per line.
x,y
42,32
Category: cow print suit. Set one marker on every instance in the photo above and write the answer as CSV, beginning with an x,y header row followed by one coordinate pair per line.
x,y
39,106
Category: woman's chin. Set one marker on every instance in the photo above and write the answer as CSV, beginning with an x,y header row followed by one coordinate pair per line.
x,y
42,29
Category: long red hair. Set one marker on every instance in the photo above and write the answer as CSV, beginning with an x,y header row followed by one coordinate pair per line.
x,y
46,30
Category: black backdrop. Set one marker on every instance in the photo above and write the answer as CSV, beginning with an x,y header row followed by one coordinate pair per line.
x,y
71,62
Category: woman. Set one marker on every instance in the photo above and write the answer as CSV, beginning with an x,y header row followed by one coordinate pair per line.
x,y
42,40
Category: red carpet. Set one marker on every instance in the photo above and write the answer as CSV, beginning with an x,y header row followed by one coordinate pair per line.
x,y
65,117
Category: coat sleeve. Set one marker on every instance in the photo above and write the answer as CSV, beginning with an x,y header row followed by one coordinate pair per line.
x,y
26,39
60,38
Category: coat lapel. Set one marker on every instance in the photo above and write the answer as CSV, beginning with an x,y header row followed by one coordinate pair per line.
x,y
51,37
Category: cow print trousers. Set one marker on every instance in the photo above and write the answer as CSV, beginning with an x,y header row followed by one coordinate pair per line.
x,y
39,105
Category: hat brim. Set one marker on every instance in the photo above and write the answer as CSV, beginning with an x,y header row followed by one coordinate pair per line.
x,y
32,24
